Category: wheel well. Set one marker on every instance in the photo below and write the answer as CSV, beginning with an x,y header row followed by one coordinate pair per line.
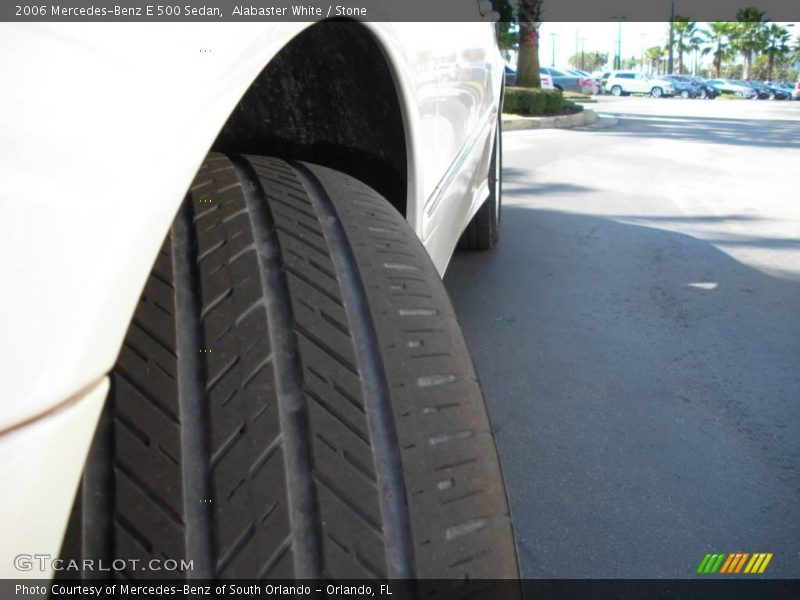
x,y
328,97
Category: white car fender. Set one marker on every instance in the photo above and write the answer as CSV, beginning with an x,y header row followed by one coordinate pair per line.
x,y
42,463
104,129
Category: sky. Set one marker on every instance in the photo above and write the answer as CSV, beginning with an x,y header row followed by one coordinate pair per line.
x,y
602,37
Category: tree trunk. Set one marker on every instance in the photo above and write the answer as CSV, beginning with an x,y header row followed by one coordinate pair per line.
x,y
680,58
718,59
529,12
528,59
748,59
770,64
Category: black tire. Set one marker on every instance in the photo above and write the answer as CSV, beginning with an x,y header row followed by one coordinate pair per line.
x,y
616,90
685,94
483,230
703,95
656,92
294,397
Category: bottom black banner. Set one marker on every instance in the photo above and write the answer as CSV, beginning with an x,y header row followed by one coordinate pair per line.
x,y
529,589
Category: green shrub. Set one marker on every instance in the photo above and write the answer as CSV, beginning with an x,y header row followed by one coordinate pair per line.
x,y
552,101
534,102
569,106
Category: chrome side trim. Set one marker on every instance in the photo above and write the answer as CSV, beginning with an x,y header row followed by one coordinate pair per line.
x,y
432,203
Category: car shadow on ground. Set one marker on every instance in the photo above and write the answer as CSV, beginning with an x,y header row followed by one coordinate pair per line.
x,y
771,133
643,387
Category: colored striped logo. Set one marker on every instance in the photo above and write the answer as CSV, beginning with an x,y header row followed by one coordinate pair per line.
x,y
735,562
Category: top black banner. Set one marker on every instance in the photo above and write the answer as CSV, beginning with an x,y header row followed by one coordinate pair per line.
x,y
379,10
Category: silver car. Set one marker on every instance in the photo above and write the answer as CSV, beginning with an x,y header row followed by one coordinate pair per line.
x,y
729,86
566,81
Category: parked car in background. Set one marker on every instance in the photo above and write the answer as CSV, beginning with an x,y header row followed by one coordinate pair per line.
x,y
511,76
786,88
602,76
762,92
511,79
733,88
567,82
594,82
621,83
776,90
684,87
796,91
706,90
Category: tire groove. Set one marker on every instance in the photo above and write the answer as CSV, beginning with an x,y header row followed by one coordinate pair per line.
x,y
347,502
192,400
396,527
215,302
335,414
147,395
300,239
292,407
212,383
150,494
326,348
241,541
275,558
314,284
149,333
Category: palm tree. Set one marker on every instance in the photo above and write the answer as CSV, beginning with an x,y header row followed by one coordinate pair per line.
x,y
507,34
685,32
588,61
529,12
719,36
748,37
653,58
776,45
696,45
594,61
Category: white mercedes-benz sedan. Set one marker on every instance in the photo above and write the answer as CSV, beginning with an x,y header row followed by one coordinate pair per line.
x,y
226,347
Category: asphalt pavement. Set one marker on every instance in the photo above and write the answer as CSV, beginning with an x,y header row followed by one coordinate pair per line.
x,y
637,335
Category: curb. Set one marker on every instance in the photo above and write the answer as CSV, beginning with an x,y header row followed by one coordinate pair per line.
x,y
581,119
603,122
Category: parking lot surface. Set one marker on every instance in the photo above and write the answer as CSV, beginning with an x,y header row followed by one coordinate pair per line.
x,y
637,335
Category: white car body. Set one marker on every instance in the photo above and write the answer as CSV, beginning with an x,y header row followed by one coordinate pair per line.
x,y
104,127
631,82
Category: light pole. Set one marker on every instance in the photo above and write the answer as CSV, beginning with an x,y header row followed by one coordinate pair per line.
x,y
582,47
576,47
619,21
641,51
553,40
671,29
